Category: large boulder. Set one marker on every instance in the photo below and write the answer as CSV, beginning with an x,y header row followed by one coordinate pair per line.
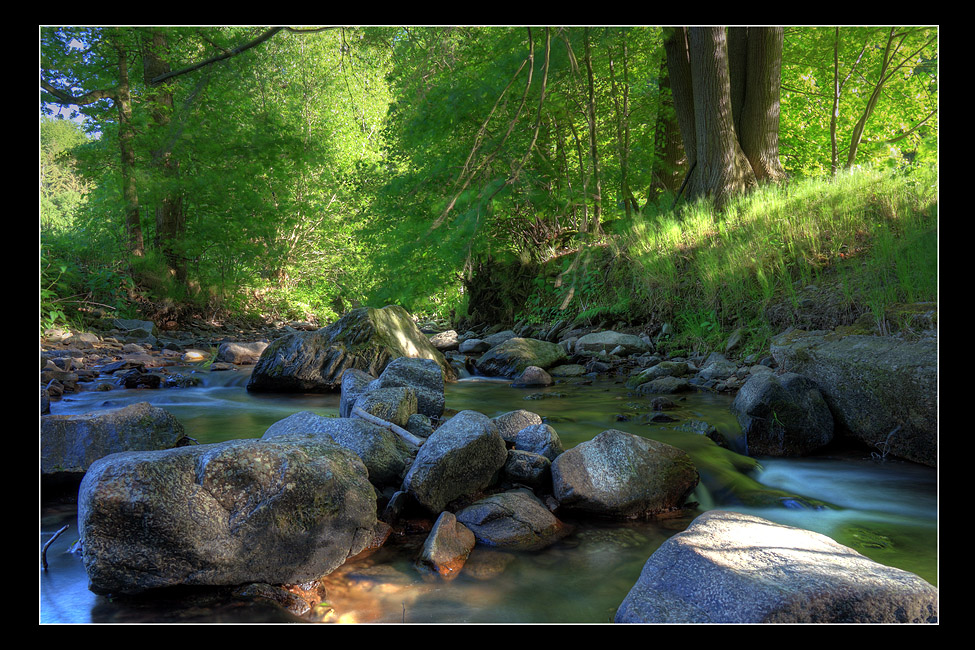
x,y
783,415
282,511
882,391
365,339
71,443
386,455
460,459
729,567
510,358
618,474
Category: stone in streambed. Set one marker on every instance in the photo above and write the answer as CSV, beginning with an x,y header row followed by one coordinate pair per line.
x,y
621,475
71,443
729,567
281,511
365,339
461,458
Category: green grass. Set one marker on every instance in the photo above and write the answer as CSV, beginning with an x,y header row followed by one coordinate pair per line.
x,y
869,236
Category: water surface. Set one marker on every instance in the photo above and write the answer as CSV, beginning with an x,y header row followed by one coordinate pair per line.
x,y
887,511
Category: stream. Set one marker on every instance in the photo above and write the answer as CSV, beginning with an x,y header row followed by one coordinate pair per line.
x,y
886,510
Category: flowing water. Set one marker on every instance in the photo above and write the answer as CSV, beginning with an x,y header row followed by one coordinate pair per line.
x,y
886,510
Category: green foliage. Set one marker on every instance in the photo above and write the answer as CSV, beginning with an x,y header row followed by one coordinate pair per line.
x,y
321,171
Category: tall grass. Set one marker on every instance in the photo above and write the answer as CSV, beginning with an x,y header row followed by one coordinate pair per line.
x,y
870,233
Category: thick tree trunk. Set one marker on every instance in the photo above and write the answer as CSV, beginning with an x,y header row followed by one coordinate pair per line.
x,y
726,86
722,168
758,132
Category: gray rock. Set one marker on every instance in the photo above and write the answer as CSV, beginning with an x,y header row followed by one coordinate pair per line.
x,y
473,346
540,439
364,339
281,511
782,415
446,548
618,474
734,568
386,455
665,386
658,371
873,385
512,422
528,468
393,404
608,340
509,359
717,367
241,353
424,376
71,443
513,520
354,384
445,341
461,458
531,377
568,370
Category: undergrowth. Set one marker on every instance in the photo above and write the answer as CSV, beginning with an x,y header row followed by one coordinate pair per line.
x,y
867,237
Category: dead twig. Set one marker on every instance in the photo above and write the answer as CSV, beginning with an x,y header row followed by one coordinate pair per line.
x,y
48,543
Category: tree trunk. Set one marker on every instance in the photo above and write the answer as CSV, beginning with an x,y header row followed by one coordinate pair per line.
x,y
668,149
130,194
759,125
726,88
722,168
593,150
170,221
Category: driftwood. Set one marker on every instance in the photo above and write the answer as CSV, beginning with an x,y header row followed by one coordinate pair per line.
x,y
398,430
48,543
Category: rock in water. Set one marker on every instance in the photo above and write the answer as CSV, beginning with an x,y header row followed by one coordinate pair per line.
x,y
366,339
618,474
882,390
461,458
281,511
783,415
513,356
71,443
729,567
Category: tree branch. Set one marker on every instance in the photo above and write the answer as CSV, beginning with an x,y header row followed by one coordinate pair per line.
x,y
65,98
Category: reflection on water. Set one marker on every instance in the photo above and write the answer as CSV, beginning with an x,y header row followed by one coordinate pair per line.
x,y
887,511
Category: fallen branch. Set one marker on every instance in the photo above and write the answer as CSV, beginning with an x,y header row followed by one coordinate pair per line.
x,y
48,543
398,430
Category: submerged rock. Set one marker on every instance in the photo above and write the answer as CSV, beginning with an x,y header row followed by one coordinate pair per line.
x,y
365,339
281,511
729,567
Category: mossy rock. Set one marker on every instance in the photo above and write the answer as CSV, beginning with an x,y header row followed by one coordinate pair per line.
x,y
366,339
